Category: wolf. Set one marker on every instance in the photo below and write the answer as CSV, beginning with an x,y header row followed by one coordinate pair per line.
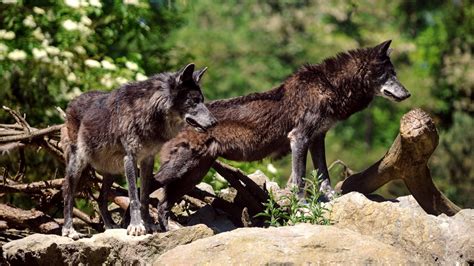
x,y
293,117
113,132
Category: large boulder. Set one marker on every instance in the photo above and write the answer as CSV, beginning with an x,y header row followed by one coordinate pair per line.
x,y
111,247
404,224
363,232
300,244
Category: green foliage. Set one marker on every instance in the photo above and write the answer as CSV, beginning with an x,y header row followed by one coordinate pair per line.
x,y
312,211
51,51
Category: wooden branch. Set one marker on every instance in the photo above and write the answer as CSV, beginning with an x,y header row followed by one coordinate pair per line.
x,y
35,187
252,195
34,220
18,118
407,160
28,137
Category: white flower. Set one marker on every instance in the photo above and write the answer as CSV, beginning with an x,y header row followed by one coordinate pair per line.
x,y
38,10
9,1
132,66
29,22
17,55
67,54
39,53
56,61
73,94
95,3
38,34
271,168
3,48
80,50
70,25
107,65
131,2
107,81
140,77
7,35
121,80
86,20
53,50
92,63
71,77
73,3
45,43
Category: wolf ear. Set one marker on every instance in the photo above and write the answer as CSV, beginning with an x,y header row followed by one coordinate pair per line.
x,y
383,48
186,73
197,75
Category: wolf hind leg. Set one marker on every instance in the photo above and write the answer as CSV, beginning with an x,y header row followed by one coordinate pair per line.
x,y
103,202
146,175
318,156
75,166
299,144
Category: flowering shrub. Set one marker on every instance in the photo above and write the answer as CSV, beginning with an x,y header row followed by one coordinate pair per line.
x,y
49,54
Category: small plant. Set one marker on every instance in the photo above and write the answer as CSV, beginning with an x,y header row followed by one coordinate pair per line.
x,y
309,211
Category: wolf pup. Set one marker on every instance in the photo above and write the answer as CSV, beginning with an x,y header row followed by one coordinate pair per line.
x,y
293,117
113,132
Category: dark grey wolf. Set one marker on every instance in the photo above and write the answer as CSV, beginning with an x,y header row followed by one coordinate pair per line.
x,y
113,132
294,117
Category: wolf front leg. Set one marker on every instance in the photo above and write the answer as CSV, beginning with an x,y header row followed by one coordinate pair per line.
x,y
74,168
299,144
318,156
136,227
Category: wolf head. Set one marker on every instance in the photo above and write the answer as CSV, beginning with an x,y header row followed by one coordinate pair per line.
x,y
385,81
189,101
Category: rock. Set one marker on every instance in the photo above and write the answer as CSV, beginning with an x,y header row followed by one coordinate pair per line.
x,y
259,178
206,187
405,225
263,181
111,247
228,194
300,244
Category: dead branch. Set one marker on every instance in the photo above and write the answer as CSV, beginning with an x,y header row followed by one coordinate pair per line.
x,y
252,195
35,187
407,160
28,137
34,220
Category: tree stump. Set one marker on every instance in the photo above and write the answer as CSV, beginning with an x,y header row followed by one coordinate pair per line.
x,y
407,160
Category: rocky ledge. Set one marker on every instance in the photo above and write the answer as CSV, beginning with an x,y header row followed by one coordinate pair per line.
x,y
363,232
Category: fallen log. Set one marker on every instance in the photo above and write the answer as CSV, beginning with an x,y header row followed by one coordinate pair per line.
x,y
33,220
407,159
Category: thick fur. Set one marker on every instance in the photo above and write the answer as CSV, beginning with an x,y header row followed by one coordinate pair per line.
x,y
294,117
114,132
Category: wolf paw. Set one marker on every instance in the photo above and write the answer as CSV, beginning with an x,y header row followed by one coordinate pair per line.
x,y
327,192
71,233
136,229
152,228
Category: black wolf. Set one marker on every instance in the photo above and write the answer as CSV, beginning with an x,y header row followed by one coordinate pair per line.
x,y
294,117
113,132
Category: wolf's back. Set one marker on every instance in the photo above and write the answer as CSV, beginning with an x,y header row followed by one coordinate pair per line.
x,y
74,114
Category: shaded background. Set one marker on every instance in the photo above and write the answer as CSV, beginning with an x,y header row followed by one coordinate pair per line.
x,y
51,51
